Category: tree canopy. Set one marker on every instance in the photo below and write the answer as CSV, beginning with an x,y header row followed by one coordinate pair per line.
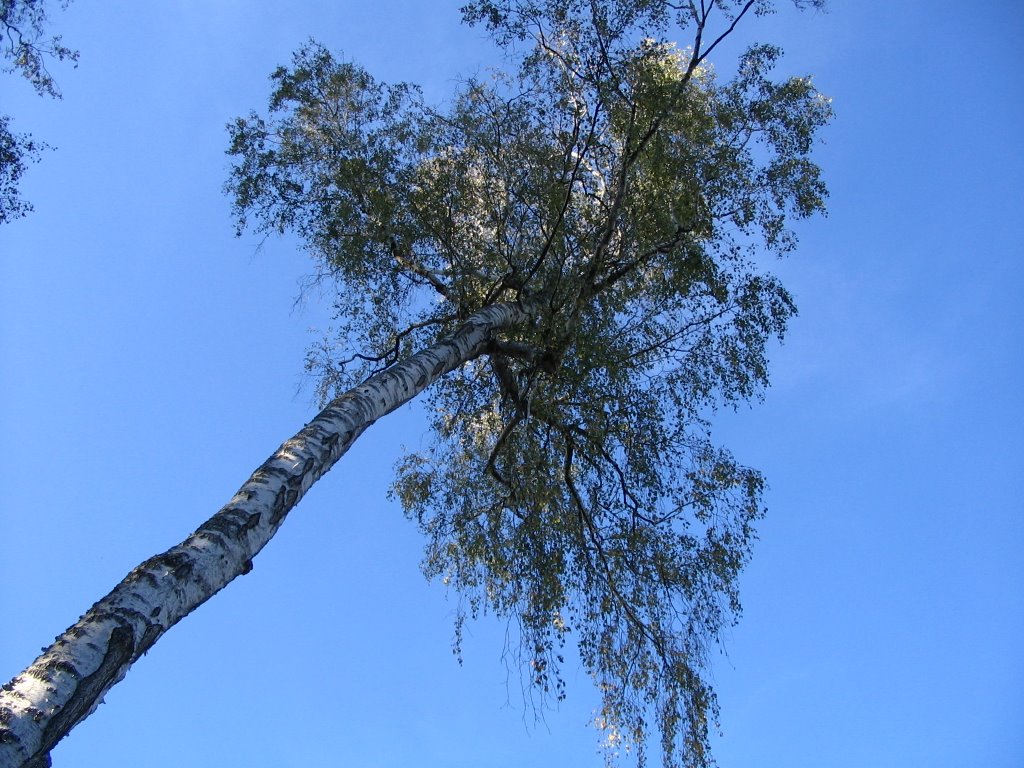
x,y
614,187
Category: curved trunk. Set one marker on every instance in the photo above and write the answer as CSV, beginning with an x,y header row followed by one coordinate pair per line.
x,y
66,683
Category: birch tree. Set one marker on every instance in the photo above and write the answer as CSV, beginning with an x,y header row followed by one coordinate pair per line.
x,y
569,260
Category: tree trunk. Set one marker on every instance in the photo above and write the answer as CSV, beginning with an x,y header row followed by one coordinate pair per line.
x,y
68,681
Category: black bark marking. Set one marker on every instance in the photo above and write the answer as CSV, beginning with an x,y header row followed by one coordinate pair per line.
x,y
269,470
39,674
128,616
279,508
63,665
230,523
218,528
332,413
146,576
294,481
120,650
178,563
231,512
250,522
150,636
331,441
215,537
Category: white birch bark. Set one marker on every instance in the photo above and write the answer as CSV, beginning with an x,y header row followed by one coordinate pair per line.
x,y
68,681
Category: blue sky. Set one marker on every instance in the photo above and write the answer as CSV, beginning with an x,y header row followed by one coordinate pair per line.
x,y
149,361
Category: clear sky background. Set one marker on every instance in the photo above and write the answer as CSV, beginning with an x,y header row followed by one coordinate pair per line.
x,y
149,361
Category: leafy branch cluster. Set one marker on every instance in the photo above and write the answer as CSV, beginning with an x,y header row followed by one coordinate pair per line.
x,y
25,47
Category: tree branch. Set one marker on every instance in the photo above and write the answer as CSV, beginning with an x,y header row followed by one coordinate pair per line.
x,y
416,268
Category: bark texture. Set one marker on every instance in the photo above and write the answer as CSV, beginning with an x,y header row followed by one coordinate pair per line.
x,y
68,681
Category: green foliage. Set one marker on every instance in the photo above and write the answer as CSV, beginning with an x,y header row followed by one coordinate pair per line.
x,y
23,40
16,150
25,48
617,185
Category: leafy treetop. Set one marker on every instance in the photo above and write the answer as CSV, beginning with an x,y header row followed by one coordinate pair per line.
x,y
614,185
